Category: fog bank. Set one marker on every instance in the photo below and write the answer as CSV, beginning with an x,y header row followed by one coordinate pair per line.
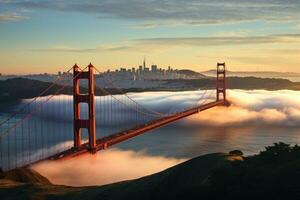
x,y
104,167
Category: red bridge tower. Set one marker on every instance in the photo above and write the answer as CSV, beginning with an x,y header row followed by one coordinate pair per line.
x,y
88,98
221,83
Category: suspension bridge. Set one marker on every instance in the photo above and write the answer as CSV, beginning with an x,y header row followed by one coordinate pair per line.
x,y
58,126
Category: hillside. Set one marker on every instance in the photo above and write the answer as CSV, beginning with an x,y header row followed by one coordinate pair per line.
x,y
171,182
24,175
26,184
261,74
191,73
22,88
246,83
19,88
272,174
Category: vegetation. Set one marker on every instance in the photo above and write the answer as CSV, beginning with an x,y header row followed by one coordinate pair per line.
x,y
273,174
236,153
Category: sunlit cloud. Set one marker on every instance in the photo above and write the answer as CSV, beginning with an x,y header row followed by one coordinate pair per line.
x,y
103,168
256,107
162,44
220,41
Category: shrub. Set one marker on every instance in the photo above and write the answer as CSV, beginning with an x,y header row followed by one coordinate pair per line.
x,y
236,153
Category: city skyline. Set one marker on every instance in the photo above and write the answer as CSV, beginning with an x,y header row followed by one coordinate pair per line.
x,y
142,68
47,36
138,67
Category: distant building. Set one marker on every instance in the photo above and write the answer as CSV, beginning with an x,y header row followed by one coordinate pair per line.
x,y
144,63
124,75
123,70
154,68
140,68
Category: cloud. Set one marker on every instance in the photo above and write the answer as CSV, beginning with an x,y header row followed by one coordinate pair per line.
x,y
103,168
196,12
11,17
290,51
255,108
221,41
164,44
66,49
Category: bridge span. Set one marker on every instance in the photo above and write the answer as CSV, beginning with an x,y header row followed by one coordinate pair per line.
x,y
105,142
25,138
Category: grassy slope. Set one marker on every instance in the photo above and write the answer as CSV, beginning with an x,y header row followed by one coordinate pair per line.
x,y
167,184
25,184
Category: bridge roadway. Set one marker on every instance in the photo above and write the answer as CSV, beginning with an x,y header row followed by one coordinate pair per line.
x,y
105,142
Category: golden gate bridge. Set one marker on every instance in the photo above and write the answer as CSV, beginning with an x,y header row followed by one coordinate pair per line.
x,y
58,126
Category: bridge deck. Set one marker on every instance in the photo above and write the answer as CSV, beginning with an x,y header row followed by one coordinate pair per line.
x,y
105,142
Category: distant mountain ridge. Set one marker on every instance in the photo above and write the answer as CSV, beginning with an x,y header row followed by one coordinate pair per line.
x,y
262,74
21,88
191,73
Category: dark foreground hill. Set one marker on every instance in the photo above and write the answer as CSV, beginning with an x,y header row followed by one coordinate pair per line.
x,y
272,174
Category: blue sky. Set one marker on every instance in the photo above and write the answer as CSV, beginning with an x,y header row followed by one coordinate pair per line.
x,y
38,36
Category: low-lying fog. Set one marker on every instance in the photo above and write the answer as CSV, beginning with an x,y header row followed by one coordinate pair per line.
x,y
255,119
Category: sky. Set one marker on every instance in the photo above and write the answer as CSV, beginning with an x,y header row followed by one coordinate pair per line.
x,y
52,35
